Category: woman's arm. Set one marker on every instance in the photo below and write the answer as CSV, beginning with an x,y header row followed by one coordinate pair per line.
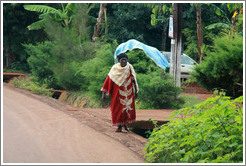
x,y
134,84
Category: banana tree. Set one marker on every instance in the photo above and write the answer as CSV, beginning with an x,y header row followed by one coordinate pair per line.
x,y
235,23
63,16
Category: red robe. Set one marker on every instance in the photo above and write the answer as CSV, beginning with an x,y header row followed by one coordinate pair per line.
x,y
122,100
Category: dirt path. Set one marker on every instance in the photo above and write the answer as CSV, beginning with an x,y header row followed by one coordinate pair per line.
x,y
37,129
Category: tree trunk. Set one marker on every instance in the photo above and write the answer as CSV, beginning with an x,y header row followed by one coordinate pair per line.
x,y
199,31
97,27
8,57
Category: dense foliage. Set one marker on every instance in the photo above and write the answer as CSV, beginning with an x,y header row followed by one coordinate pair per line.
x,y
223,67
95,70
158,91
16,19
132,21
210,132
70,61
62,55
156,85
39,62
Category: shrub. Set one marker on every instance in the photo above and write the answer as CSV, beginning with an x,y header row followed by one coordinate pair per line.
x,y
56,61
156,88
210,132
21,66
39,62
158,91
141,62
223,68
95,70
72,47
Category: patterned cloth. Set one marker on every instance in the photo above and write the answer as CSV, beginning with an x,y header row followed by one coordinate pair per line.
x,y
121,89
118,74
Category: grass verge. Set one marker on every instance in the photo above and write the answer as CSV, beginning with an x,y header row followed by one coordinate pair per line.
x,y
190,100
32,86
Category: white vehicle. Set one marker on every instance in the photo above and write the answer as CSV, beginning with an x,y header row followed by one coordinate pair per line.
x,y
187,64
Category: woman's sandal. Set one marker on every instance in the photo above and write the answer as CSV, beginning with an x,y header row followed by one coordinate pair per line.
x,y
119,129
126,128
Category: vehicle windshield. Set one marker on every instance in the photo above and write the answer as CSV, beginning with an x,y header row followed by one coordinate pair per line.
x,y
167,56
184,58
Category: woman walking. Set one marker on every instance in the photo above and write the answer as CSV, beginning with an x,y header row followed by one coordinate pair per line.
x,y
121,84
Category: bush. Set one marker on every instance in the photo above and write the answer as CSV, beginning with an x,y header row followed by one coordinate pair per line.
x,y
55,62
96,70
156,88
141,62
32,86
223,68
158,91
21,66
210,132
39,62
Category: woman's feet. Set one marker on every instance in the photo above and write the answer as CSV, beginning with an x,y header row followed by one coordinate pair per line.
x,y
119,129
126,128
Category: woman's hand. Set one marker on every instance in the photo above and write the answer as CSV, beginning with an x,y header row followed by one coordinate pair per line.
x,y
103,96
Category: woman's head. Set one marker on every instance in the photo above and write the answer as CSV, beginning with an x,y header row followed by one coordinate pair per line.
x,y
122,58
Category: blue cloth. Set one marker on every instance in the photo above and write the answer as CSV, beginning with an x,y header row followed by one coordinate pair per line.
x,y
151,52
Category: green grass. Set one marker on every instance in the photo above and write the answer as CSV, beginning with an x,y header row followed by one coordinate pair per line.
x,y
32,86
190,100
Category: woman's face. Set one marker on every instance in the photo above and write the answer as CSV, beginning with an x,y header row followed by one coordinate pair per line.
x,y
123,62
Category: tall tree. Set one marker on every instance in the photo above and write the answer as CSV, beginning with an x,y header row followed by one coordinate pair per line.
x,y
97,28
199,29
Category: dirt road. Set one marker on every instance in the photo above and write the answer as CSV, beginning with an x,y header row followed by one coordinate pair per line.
x,y
35,132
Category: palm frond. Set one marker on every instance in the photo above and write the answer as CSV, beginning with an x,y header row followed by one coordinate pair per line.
x,y
36,25
41,8
218,25
70,7
91,6
42,16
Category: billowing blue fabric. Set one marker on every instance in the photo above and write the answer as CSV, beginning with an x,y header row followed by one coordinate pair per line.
x,y
151,52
